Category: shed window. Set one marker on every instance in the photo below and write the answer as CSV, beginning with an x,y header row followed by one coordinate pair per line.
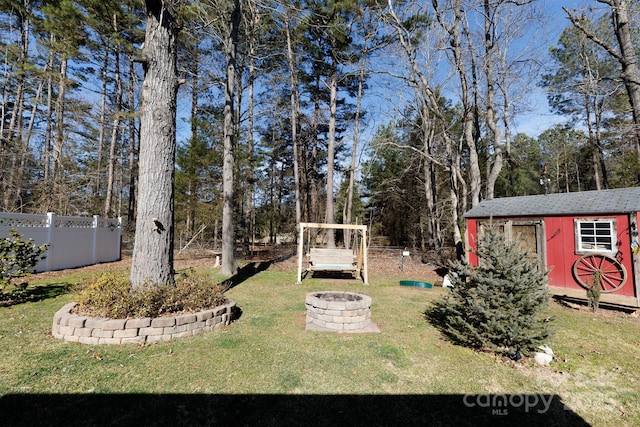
x,y
596,235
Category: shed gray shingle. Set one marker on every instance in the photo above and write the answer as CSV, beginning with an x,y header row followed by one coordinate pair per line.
x,y
621,200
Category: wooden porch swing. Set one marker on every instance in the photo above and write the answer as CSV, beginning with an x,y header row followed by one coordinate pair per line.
x,y
334,259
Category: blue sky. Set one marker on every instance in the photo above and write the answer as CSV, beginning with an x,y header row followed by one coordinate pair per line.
x,y
541,118
532,123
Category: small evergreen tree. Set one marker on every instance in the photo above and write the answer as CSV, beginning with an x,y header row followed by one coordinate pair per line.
x,y
497,305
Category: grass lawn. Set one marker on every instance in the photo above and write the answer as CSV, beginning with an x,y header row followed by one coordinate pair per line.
x,y
265,369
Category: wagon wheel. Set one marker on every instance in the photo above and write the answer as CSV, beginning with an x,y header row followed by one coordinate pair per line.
x,y
613,275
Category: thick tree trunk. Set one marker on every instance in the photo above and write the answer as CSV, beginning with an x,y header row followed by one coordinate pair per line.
x,y
229,265
152,262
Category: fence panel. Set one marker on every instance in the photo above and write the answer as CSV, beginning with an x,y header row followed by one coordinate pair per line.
x,y
73,241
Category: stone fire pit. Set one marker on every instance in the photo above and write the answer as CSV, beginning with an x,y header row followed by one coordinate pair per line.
x,y
338,311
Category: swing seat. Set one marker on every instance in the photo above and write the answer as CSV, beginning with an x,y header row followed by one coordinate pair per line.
x,y
338,260
324,259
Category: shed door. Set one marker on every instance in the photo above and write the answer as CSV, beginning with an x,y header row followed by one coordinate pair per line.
x,y
527,238
526,233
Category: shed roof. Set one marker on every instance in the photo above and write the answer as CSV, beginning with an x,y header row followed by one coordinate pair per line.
x,y
621,200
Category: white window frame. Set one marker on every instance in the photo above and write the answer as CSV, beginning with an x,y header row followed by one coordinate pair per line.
x,y
596,235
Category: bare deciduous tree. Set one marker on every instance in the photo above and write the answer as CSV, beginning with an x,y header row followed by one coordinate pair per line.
x,y
625,54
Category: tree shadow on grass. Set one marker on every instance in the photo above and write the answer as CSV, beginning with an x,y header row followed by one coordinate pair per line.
x,y
252,269
246,272
34,293
340,275
285,410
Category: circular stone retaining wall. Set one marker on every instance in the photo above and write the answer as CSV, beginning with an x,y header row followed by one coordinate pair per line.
x,y
100,330
338,311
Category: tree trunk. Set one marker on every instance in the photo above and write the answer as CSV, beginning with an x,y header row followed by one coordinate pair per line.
x,y
628,60
58,139
133,165
250,188
454,199
455,46
293,87
329,213
26,142
601,166
192,192
152,261
114,130
494,139
430,190
229,265
626,55
15,131
103,121
313,172
430,106
48,131
354,147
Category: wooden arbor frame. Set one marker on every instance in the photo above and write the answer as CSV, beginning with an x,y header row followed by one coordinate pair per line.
x,y
362,253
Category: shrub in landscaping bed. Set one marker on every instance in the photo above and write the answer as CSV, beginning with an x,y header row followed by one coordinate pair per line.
x,y
111,295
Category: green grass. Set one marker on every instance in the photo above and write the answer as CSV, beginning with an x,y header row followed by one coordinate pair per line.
x,y
266,364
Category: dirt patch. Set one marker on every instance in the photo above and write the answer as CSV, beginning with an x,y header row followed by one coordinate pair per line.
x,y
385,262
604,310
381,262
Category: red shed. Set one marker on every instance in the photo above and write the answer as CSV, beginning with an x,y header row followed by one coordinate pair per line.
x,y
574,235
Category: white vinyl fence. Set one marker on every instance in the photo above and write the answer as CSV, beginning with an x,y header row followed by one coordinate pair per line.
x,y
73,241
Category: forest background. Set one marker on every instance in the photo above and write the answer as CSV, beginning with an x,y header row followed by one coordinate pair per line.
x,y
400,115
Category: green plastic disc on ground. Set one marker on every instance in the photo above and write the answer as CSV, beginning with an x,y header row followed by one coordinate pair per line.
x,y
416,283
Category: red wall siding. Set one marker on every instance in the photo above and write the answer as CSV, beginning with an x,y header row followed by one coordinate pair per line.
x,y
471,236
561,255
560,241
560,250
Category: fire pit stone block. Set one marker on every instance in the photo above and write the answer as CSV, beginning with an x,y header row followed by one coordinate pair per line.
x,y
339,311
